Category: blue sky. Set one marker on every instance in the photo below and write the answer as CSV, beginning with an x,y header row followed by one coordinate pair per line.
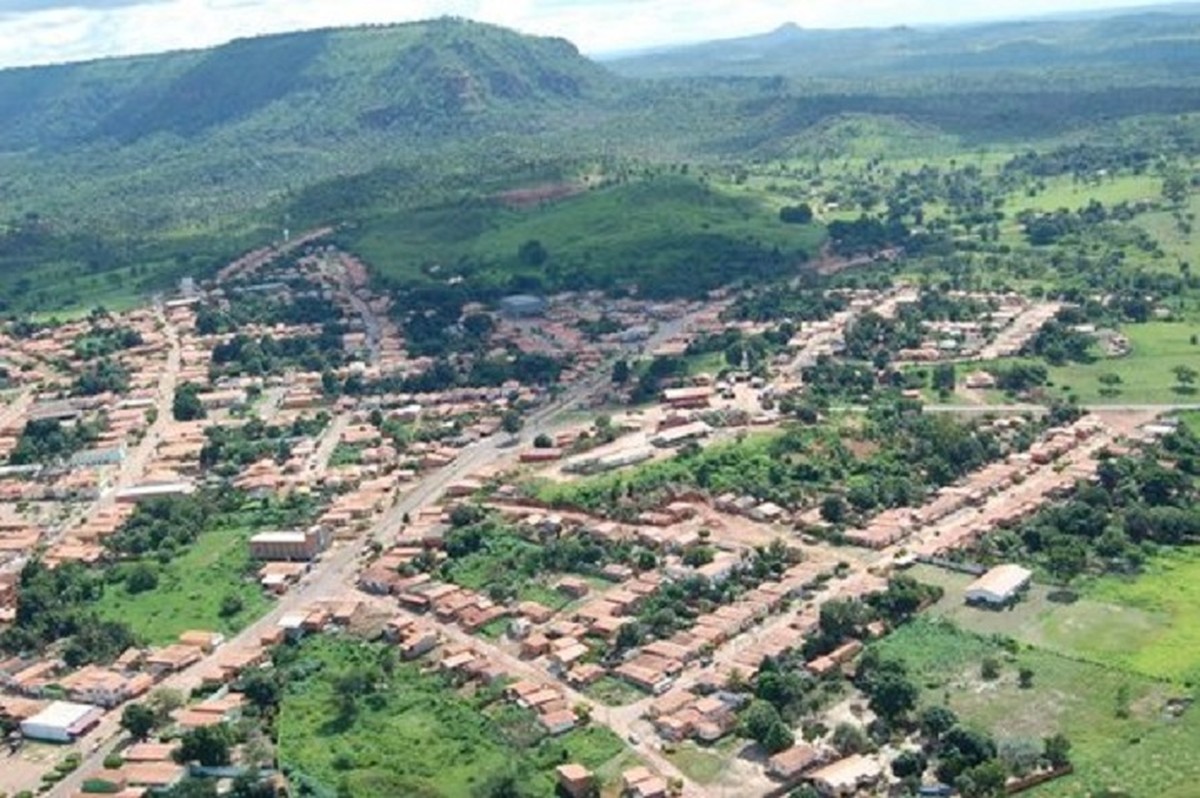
x,y
48,31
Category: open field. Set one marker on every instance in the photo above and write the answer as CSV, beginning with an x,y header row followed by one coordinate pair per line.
x,y
1170,589
1064,192
413,736
1096,630
1146,374
190,591
1121,737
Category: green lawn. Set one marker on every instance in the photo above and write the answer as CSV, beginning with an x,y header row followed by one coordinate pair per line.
x,y
1144,753
417,736
190,591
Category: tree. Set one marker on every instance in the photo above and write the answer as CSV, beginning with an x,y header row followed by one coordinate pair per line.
x,y
139,720
1068,559
849,739
908,764
621,372
985,780
1185,377
1175,186
778,738
186,405
141,578
796,214
833,509
231,605
1057,750
1109,383
1025,677
532,253
164,701
208,745
944,379
893,696
262,689
936,721
758,718
990,669
543,441
511,422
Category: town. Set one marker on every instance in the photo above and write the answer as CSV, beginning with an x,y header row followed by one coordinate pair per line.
x,y
667,526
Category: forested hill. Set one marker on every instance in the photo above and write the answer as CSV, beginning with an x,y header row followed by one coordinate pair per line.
x,y
1162,44
441,77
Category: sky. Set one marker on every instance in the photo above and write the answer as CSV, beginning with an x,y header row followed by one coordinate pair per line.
x,y
50,31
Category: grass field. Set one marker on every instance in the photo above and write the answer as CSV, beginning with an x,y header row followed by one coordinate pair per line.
x,y
1100,631
1146,374
1169,589
1064,192
1139,749
416,737
190,591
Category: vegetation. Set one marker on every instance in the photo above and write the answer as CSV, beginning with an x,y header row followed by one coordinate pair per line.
x,y
370,751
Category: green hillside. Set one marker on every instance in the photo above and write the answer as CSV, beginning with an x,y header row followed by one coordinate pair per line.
x,y
117,176
666,236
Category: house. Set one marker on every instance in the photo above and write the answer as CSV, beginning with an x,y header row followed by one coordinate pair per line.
x,y
787,766
641,783
172,658
573,586
205,641
1000,586
156,776
558,722
847,776
687,398
575,780
62,722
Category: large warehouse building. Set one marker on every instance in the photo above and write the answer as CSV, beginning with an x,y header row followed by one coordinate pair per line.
x,y
62,722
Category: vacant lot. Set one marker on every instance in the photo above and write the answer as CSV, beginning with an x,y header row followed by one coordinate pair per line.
x,y
191,589
1116,722
417,736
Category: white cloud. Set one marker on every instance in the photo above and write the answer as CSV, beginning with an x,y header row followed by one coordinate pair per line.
x,y
67,30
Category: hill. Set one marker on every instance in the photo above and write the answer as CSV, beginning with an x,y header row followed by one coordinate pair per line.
x,y
248,121
117,176
1138,46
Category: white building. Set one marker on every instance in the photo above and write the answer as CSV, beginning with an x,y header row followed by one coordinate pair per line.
x,y
62,722
999,586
